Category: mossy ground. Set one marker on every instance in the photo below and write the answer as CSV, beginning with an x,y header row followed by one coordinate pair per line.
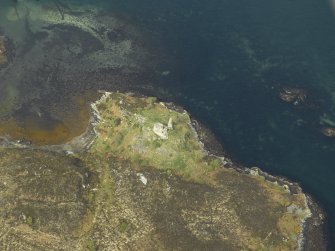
x,y
256,208
133,190
126,131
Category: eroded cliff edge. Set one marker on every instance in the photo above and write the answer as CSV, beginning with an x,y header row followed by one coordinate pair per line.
x,y
146,182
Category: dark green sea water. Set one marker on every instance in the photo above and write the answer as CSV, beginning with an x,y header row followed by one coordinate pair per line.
x,y
230,60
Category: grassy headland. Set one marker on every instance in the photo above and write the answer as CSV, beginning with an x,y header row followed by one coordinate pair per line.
x,y
265,214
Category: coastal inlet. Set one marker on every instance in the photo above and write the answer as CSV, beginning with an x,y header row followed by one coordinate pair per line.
x,y
53,60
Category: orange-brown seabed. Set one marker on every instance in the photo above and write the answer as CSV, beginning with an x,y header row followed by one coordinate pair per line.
x,y
46,130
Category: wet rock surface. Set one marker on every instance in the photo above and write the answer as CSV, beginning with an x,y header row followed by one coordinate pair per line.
x,y
312,110
328,131
293,95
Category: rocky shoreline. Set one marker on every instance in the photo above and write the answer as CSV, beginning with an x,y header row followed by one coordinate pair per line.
x,y
120,42
314,235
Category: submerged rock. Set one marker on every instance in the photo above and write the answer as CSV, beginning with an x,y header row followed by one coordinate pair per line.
x,y
293,95
328,131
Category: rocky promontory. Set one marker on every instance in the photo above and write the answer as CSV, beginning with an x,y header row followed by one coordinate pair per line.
x,y
143,175
146,182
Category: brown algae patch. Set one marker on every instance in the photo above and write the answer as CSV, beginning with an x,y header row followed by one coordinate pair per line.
x,y
31,130
39,128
